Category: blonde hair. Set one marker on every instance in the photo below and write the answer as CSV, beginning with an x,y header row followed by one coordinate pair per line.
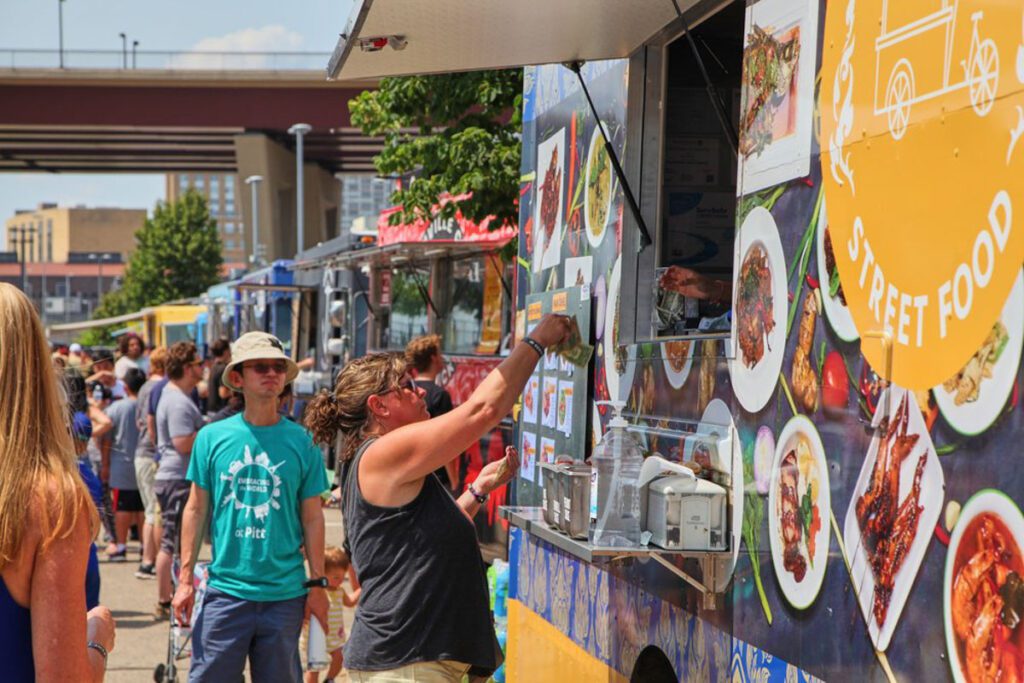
x,y
344,409
37,455
335,558
421,350
158,360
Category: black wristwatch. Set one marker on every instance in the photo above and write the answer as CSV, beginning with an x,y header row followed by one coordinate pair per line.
x,y
316,583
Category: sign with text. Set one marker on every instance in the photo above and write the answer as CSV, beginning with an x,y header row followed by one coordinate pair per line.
x,y
922,111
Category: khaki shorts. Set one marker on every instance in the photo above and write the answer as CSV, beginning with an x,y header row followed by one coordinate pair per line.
x,y
445,671
145,475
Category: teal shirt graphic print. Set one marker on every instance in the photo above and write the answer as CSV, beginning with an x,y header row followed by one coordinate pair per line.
x,y
252,486
257,478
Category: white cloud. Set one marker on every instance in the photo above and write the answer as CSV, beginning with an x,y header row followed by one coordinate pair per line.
x,y
273,38
268,39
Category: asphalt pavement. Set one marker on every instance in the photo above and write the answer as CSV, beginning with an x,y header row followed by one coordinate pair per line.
x,y
141,640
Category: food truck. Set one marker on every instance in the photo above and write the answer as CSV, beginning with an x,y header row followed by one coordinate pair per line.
x,y
269,300
442,277
219,321
160,325
788,226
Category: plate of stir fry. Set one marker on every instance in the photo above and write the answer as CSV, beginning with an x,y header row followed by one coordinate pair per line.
x,y
973,398
760,298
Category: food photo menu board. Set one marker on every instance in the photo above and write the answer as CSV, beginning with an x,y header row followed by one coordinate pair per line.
x,y
553,420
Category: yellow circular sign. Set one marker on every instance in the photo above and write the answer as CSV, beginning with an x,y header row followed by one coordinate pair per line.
x,y
922,154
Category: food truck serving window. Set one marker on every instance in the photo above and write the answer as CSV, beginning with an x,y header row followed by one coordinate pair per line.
x,y
684,280
698,199
465,320
480,310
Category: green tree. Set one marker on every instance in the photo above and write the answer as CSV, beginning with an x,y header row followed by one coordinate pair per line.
x,y
177,256
457,133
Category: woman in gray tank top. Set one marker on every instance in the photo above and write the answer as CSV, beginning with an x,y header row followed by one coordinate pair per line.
x,y
424,609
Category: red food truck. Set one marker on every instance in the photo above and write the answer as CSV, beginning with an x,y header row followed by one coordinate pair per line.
x,y
444,277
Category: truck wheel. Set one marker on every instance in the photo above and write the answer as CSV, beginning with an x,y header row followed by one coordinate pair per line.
x,y
983,76
898,98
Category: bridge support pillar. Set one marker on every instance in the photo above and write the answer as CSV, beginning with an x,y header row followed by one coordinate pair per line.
x,y
257,154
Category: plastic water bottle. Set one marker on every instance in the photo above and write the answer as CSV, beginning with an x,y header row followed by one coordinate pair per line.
x,y
617,460
492,578
316,647
502,635
501,592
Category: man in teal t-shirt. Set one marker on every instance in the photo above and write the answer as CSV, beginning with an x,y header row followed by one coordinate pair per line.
x,y
258,478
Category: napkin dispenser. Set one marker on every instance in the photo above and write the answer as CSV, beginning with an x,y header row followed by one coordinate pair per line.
x,y
681,510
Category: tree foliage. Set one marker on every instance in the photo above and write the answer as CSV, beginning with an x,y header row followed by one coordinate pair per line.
x,y
177,255
456,133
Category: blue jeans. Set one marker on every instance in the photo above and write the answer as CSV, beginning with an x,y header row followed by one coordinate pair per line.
x,y
229,629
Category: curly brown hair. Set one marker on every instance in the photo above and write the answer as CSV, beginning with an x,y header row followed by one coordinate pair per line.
x,y
180,356
125,341
344,409
421,350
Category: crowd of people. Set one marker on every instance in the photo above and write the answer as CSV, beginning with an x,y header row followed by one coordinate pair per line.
x,y
172,447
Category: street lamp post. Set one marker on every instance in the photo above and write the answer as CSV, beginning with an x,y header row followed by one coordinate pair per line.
x,y
17,242
124,50
60,31
253,182
342,230
299,130
67,297
46,248
135,47
99,259
23,236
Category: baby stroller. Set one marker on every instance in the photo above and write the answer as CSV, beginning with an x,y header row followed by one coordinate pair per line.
x,y
179,639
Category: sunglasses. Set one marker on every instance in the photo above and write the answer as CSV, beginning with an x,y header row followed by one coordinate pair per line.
x,y
265,368
405,383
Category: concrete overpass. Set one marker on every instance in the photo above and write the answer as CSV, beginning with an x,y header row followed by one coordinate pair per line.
x,y
166,120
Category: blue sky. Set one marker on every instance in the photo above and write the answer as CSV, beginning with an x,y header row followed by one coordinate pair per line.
x,y
252,25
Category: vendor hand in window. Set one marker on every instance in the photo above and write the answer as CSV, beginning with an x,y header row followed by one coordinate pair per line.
x,y
692,284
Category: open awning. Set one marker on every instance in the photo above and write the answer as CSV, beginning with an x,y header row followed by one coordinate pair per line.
x,y
283,289
402,37
405,253
98,322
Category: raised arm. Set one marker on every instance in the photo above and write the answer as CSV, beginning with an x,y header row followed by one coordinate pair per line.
x,y
101,422
414,451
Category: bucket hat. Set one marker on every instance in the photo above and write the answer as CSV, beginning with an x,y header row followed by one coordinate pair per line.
x,y
257,346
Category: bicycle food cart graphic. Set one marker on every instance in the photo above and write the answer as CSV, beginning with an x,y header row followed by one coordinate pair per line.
x,y
901,82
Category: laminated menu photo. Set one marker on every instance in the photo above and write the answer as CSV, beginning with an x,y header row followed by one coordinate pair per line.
x,y
549,403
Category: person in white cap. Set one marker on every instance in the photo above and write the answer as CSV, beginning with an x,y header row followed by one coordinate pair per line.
x,y
259,478
75,360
